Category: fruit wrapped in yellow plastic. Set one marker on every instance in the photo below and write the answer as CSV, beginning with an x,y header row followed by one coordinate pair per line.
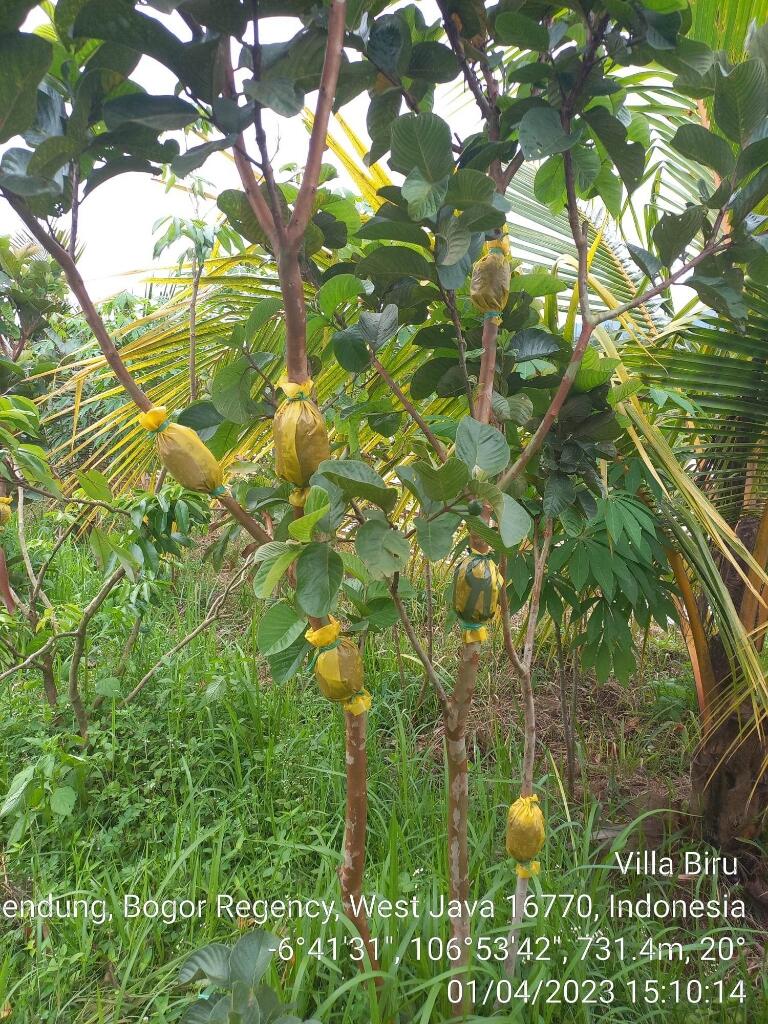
x,y
477,583
5,510
525,833
491,279
339,668
183,453
300,434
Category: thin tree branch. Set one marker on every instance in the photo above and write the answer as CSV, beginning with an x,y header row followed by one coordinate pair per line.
x,y
214,612
76,283
409,408
421,654
302,208
449,298
91,609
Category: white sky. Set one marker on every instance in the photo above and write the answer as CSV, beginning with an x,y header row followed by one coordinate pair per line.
x,y
116,220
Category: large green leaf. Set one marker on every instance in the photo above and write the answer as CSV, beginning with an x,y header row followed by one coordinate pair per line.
x,y
278,628
741,99
319,571
482,446
163,113
698,143
358,480
392,262
24,59
542,134
422,141
384,550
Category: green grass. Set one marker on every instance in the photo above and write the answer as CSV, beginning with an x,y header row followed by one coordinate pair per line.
x,y
215,780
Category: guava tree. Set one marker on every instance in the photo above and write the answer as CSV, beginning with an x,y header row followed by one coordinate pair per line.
x,y
517,467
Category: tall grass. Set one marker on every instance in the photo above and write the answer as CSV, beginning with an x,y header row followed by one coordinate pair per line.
x,y
217,781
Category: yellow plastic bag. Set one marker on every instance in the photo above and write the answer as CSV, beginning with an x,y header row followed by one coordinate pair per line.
x,y
183,453
301,437
477,584
525,829
339,669
5,510
491,278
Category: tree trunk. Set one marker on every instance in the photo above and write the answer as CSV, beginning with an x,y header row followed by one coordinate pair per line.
x,y
353,864
458,807
729,786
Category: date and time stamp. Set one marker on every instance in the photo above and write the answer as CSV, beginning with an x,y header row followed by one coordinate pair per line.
x,y
572,948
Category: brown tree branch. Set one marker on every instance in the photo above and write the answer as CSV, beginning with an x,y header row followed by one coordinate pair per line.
x,y
76,283
409,408
90,610
302,208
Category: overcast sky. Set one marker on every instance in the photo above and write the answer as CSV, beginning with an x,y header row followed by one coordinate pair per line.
x,y
116,219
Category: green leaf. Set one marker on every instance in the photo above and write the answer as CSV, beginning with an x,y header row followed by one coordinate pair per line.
x,y
211,962
235,206
17,790
533,343
63,800
350,349
163,113
389,44
514,29
95,485
549,183
117,22
482,446
24,59
423,141
629,157
698,143
231,391
442,483
453,241
675,231
392,262
262,313
648,263
393,231
747,198
272,570
559,493
250,957
318,505
593,371
341,288
384,550
538,282
14,13
515,409
196,156
108,687
319,572
200,416
432,62
424,197
586,167
541,134
514,521
16,177
358,480
52,154
379,328
741,99
279,94
286,664
468,187
435,535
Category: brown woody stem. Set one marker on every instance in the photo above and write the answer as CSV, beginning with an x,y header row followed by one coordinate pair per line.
x,y
355,825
